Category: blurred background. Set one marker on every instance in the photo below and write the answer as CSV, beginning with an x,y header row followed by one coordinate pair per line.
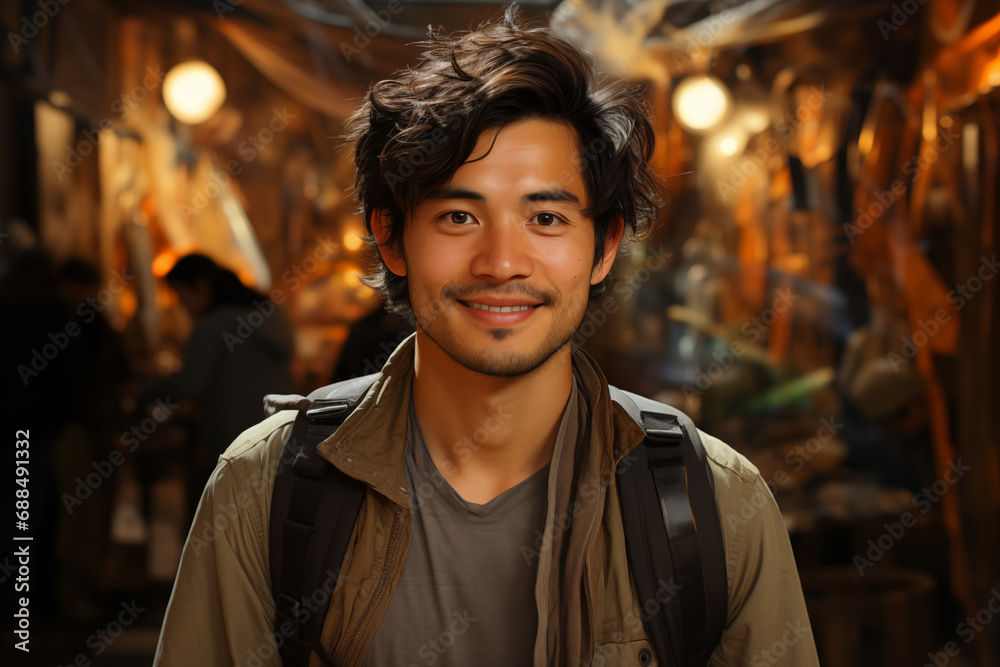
x,y
820,291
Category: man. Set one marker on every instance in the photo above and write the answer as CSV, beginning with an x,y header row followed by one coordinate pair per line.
x,y
498,178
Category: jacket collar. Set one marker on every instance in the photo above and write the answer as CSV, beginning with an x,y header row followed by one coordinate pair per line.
x,y
370,445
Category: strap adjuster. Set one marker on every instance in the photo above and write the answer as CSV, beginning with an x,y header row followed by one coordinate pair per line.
x,y
664,434
662,429
327,409
290,610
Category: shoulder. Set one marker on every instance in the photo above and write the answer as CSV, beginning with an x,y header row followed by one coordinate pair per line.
x,y
261,435
737,482
228,317
765,596
210,328
246,470
742,495
752,525
729,467
220,317
259,447
237,497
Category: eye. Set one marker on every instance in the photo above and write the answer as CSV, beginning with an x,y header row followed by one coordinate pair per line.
x,y
547,219
458,217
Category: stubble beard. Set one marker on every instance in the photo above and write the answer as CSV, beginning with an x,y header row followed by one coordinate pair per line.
x,y
504,364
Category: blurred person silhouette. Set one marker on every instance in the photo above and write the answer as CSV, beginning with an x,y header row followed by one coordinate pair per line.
x,y
240,348
39,355
370,343
99,377
104,369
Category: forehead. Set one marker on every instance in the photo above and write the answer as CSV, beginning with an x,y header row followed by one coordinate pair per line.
x,y
523,157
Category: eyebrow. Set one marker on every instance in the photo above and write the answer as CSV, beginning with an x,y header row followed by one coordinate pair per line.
x,y
448,192
557,194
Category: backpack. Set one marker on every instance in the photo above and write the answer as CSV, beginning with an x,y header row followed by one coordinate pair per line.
x,y
667,498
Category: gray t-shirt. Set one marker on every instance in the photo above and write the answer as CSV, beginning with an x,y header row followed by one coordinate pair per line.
x,y
467,592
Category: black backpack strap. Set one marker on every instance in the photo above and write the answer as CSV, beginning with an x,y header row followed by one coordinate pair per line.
x,y
670,471
307,545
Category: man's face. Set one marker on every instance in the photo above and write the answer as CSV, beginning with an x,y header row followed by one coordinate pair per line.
x,y
499,260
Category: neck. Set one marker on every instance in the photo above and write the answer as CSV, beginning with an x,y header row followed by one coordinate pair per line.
x,y
487,434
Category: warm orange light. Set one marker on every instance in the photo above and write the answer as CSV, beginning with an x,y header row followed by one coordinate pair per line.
x,y
351,278
163,263
128,304
991,74
352,241
247,277
339,334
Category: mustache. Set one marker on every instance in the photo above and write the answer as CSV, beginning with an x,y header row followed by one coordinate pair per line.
x,y
523,290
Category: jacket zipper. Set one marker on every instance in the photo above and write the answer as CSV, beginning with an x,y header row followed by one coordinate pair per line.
x,y
382,583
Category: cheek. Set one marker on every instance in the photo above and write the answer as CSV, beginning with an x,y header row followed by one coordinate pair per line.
x,y
420,251
564,257
436,263
569,266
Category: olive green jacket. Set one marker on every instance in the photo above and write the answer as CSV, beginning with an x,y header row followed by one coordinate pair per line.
x,y
221,611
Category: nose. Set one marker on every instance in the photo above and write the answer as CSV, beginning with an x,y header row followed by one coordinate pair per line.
x,y
503,253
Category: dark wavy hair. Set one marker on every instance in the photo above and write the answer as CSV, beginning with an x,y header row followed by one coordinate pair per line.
x,y
415,130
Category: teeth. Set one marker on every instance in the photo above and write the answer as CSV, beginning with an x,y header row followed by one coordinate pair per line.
x,y
499,309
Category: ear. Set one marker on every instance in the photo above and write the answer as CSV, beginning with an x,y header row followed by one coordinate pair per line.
x,y
380,228
612,238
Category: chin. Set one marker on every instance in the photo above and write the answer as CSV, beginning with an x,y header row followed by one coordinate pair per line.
x,y
495,361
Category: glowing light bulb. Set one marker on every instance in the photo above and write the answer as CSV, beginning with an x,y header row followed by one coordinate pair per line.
x,y
729,140
701,102
193,91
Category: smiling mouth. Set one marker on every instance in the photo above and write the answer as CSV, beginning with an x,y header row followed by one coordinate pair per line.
x,y
496,309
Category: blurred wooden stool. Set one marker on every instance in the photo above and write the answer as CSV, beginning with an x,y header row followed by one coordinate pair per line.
x,y
882,618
